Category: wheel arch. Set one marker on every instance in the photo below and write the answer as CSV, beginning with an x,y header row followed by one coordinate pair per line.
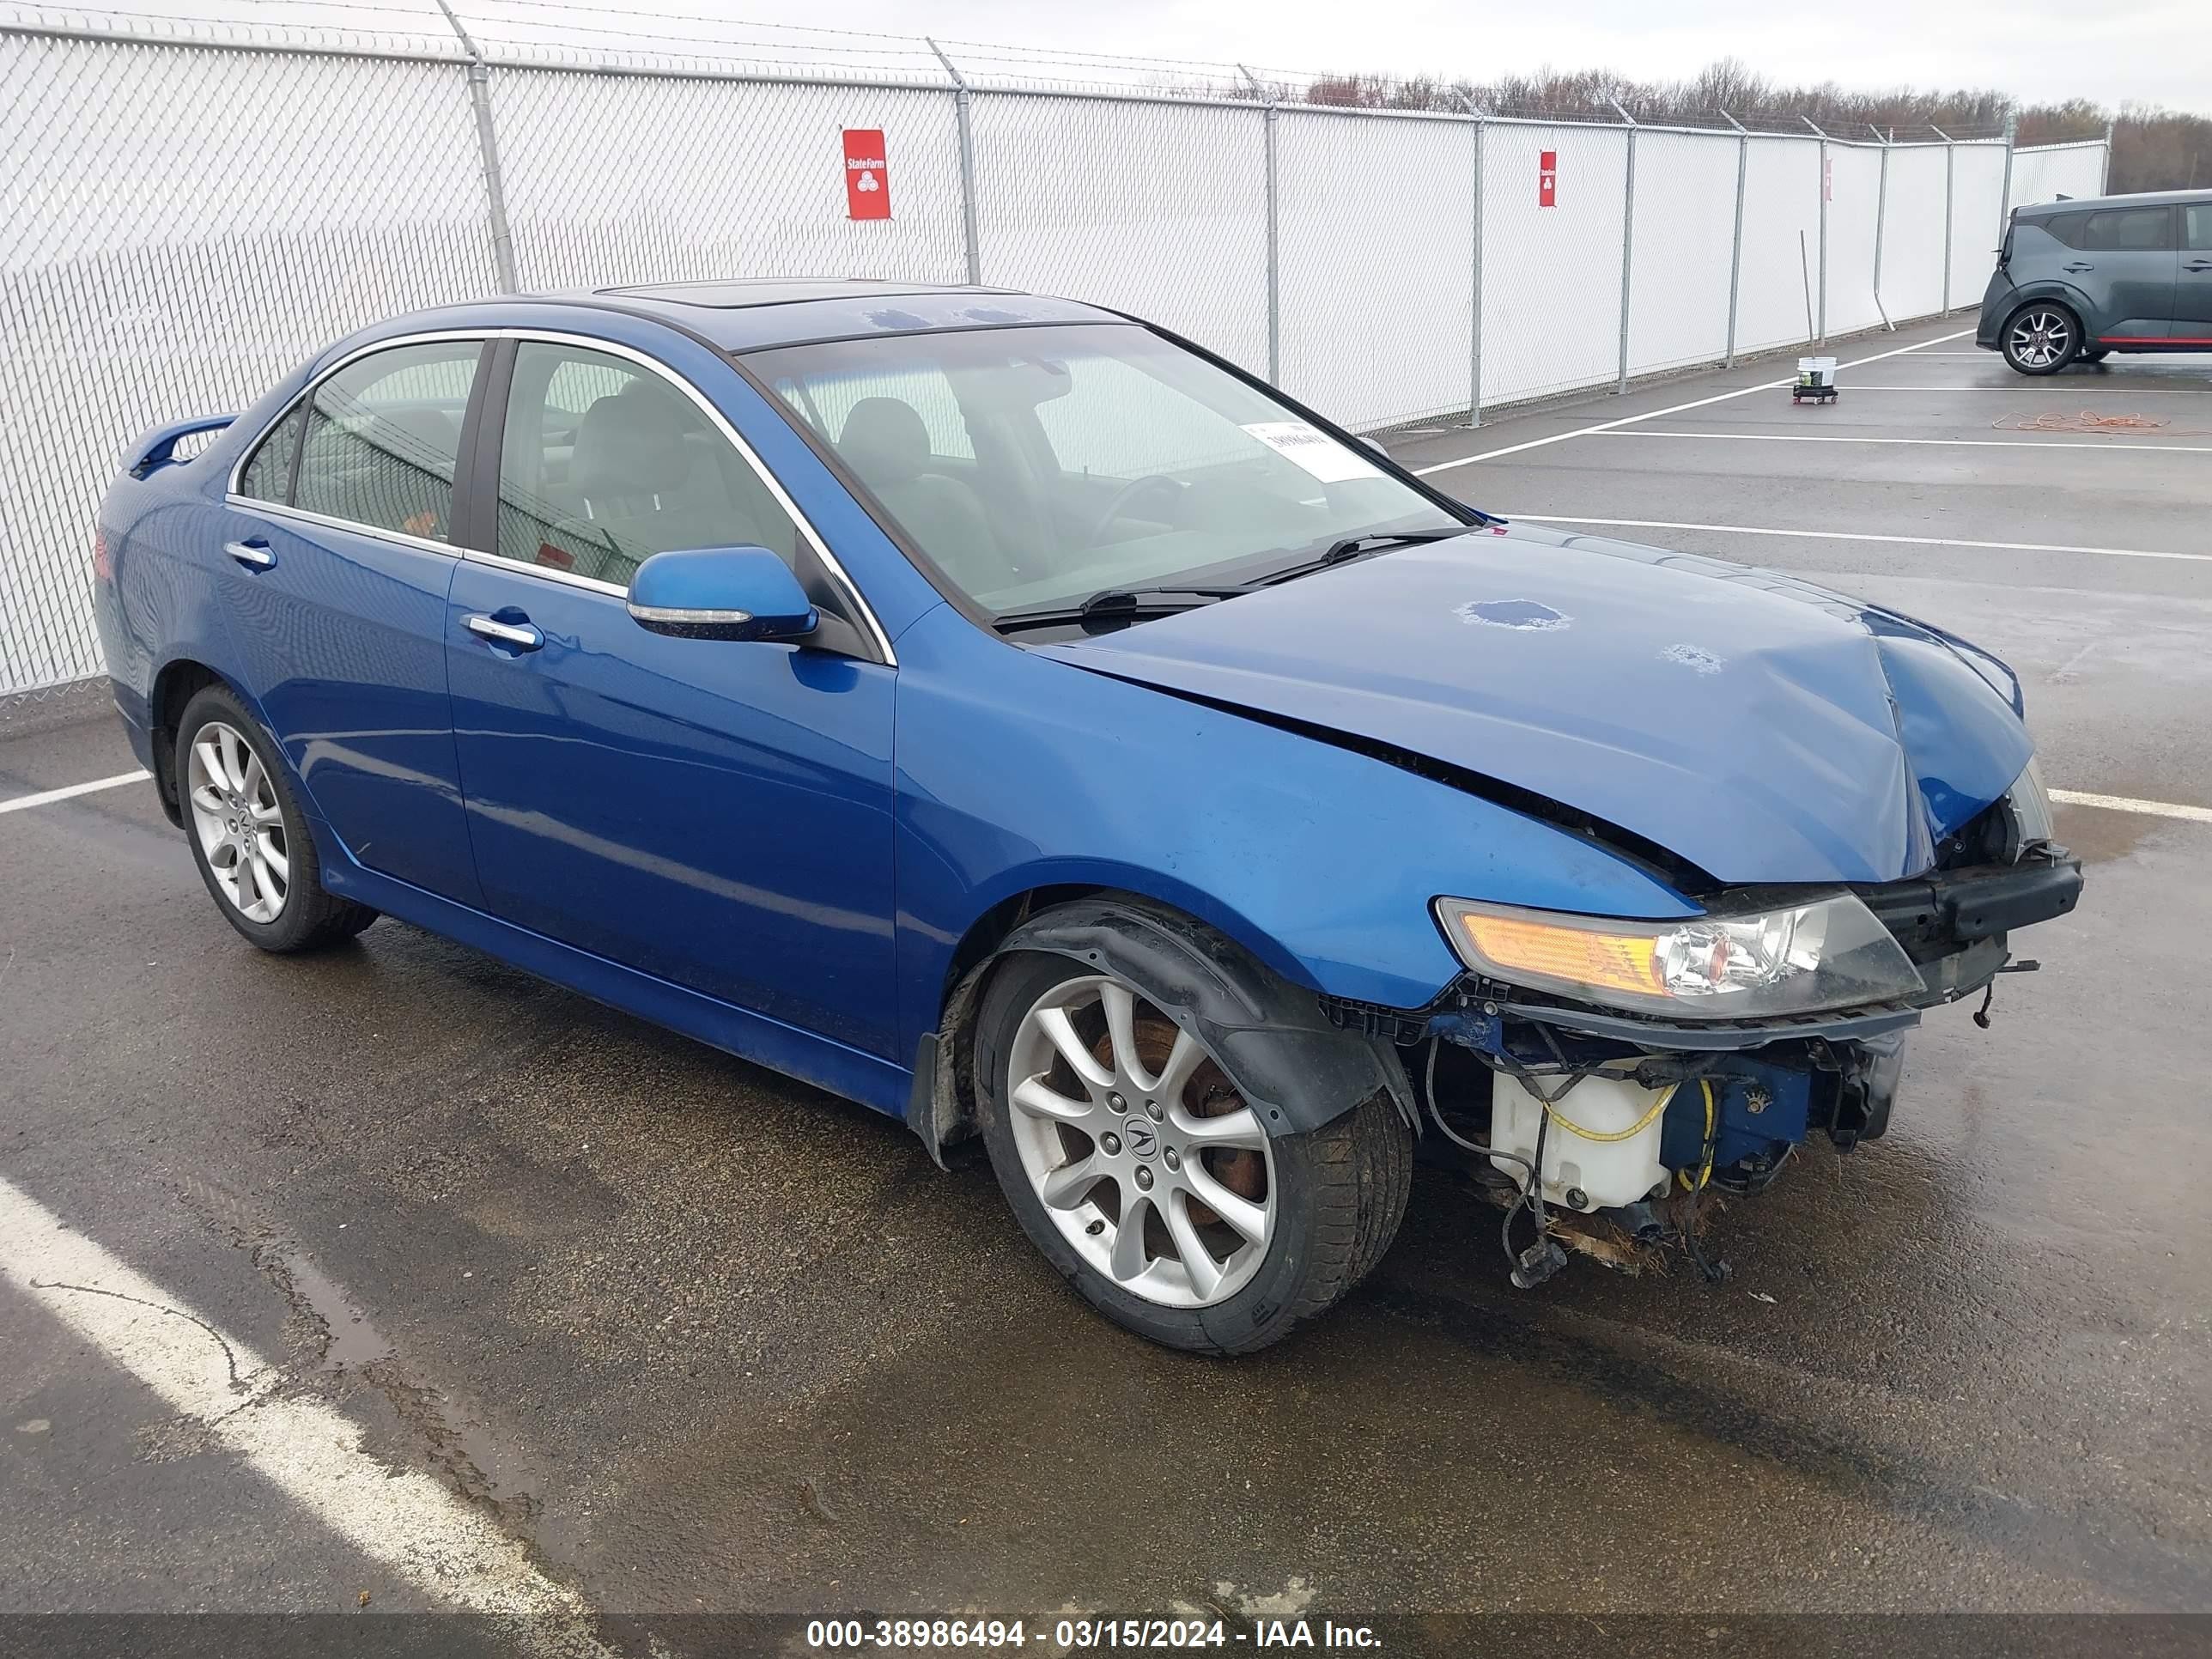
x,y
2048,291
1306,1072
178,682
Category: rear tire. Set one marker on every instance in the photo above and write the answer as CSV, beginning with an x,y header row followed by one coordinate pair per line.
x,y
1074,1164
2041,337
248,833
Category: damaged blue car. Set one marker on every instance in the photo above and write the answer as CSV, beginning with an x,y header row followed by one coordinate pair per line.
x,y
1003,713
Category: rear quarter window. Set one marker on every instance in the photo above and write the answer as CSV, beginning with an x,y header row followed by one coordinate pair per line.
x,y
2065,227
267,476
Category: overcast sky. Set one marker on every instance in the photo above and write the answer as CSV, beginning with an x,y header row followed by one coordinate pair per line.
x,y
2108,50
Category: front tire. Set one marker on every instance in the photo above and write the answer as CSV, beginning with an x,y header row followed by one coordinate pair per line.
x,y
2042,337
1136,1168
248,833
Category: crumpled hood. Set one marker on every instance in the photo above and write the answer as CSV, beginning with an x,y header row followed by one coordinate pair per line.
x,y
1763,728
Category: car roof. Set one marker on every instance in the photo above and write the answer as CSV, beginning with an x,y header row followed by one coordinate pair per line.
x,y
751,314
2144,198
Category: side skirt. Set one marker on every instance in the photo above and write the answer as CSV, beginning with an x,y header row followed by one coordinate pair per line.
x,y
755,1037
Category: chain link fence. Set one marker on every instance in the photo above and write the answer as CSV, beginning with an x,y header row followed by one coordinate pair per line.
x,y
190,208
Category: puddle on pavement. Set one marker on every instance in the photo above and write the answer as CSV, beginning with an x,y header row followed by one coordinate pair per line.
x,y
349,1341
463,1447
2098,837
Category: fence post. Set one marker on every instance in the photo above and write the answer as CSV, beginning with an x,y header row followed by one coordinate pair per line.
x,y
1735,255
1275,241
1474,271
2104,177
1950,155
964,118
2004,191
1627,245
1820,328
1880,213
502,238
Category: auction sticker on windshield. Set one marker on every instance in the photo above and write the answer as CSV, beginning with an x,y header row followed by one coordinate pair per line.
x,y
1311,448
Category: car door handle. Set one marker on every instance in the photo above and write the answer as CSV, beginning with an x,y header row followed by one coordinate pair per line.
x,y
254,555
2198,264
2078,265
521,635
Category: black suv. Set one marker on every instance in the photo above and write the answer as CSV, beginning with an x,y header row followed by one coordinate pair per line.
x,y
2109,273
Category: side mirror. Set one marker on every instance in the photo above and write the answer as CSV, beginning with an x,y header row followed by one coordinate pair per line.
x,y
720,593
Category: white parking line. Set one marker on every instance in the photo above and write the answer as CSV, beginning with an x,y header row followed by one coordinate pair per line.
x,y
2115,446
48,796
2048,389
1674,409
2157,808
1864,536
314,1455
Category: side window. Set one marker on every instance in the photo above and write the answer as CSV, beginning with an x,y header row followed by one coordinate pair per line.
x,y
268,476
2130,230
604,463
384,438
2199,237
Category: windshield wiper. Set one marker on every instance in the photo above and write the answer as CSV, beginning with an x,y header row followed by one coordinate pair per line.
x,y
1351,547
1114,603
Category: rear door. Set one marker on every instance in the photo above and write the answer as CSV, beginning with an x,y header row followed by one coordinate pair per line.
x,y
2127,261
2192,293
715,813
341,547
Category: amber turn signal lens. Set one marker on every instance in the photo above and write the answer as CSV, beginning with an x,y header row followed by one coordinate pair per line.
x,y
1614,960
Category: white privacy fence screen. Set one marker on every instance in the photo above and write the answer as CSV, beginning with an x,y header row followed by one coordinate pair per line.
x,y
187,213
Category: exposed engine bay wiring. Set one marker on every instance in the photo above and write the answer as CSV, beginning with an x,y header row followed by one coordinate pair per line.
x,y
1544,1257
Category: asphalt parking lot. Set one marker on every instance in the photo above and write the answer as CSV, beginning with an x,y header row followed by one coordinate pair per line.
x,y
660,1332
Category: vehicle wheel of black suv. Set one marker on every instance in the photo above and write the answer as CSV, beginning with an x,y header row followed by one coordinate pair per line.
x,y
2042,337
247,834
1134,1164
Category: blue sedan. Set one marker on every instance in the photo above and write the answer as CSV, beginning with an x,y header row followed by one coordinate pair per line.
x,y
1005,714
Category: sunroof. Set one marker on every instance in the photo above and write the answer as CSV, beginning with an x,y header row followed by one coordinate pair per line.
x,y
735,294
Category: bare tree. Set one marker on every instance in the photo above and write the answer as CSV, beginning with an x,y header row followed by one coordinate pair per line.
x,y
2152,149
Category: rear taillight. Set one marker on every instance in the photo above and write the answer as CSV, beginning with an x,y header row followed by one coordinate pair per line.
x,y
103,567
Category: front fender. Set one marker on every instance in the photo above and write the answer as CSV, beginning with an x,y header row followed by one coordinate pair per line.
x,y
1293,1067
1016,771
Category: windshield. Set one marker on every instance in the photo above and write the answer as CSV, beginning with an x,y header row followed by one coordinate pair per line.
x,y
1035,467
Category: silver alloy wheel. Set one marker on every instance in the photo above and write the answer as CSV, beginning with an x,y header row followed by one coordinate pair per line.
x,y
239,825
2041,337
1142,1182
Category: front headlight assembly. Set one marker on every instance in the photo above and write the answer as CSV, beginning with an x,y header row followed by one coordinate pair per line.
x,y
2032,820
1823,953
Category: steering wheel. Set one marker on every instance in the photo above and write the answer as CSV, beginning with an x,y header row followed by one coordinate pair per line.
x,y
1128,494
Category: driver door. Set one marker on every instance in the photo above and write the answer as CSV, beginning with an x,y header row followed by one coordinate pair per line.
x,y
716,814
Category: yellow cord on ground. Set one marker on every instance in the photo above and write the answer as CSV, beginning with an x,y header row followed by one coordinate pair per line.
x,y
1639,1125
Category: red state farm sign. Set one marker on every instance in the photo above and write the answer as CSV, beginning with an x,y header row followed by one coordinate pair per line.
x,y
867,179
1548,178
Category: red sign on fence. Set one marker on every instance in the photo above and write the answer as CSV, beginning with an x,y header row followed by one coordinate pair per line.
x,y
1548,178
867,178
